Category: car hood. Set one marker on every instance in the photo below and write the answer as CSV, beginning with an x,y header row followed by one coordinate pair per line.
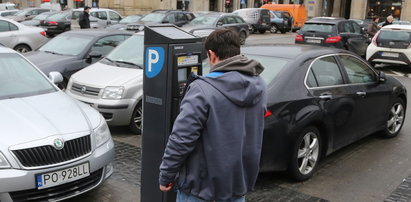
x,y
48,62
101,75
37,117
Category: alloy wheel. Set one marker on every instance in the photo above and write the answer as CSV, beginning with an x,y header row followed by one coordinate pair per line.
x,y
396,118
138,117
308,153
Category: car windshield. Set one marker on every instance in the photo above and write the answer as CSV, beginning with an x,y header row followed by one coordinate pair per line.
x,y
389,35
22,13
272,66
153,17
67,44
58,16
204,20
131,51
41,17
317,27
18,78
130,19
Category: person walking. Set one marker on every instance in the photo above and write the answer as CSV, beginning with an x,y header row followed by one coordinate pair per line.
x,y
214,149
373,27
388,21
84,20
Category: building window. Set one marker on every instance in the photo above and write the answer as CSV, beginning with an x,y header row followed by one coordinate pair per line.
x,y
384,8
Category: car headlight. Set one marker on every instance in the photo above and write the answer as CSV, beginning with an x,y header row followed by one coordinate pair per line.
x,y
102,134
3,161
113,92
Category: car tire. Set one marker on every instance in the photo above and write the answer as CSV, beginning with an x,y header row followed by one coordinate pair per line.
x,y
395,120
274,29
262,31
22,48
306,154
136,119
243,37
283,31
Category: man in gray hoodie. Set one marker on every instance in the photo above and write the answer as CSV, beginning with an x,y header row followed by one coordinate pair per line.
x,y
213,152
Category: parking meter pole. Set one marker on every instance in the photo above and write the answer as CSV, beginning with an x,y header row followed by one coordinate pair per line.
x,y
170,55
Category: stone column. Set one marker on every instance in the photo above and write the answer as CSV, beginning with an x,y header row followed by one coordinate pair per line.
x,y
337,9
236,4
250,3
358,9
313,8
406,10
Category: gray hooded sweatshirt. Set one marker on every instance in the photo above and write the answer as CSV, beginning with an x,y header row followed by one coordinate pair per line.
x,y
214,149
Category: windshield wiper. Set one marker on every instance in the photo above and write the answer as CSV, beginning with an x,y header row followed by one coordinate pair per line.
x,y
52,52
111,61
128,63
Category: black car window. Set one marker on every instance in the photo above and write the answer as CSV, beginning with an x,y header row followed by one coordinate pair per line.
x,y
239,20
106,44
114,16
347,28
13,27
100,14
222,20
317,27
311,81
357,28
394,35
327,72
180,17
231,20
4,26
357,71
171,18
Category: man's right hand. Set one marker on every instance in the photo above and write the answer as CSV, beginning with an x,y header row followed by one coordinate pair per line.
x,y
166,188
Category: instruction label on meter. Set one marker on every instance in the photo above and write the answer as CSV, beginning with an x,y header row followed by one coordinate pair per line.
x,y
187,60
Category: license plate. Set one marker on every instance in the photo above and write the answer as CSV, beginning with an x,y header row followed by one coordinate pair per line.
x,y
313,41
63,176
387,54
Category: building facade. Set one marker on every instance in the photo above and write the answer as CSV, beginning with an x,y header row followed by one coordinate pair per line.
x,y
360,9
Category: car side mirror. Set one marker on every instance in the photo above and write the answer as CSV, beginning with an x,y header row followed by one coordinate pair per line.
x,y
55,77
381,77
95,54
166,21
219,24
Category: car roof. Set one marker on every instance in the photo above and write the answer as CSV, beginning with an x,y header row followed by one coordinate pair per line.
x,y
289,51
6,50
326,20
397,27
100,32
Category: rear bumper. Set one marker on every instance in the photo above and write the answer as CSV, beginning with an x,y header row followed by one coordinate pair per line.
x,y
375,54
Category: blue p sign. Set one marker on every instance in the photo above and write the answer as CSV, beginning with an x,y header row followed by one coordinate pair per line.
x,y
154,61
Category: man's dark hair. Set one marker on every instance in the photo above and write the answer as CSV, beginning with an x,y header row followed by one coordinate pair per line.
x,y
224,42
85,8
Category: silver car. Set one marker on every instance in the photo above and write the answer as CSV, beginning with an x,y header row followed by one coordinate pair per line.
x,y
52,147
114,85
21,37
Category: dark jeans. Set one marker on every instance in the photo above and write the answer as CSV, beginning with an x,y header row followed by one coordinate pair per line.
x,y
183,197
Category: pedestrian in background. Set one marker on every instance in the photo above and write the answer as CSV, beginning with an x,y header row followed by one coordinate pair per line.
x,y
213,152
388,21
84,20
373,27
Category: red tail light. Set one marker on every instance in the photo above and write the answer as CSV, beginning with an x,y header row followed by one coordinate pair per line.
x,y
374,39
299,38
267,113
52,23
334,39
43,33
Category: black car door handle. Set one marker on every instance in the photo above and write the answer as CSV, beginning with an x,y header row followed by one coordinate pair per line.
x,y
326,96
361,93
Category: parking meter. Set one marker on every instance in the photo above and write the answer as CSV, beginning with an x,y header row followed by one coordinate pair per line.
x,y
170,55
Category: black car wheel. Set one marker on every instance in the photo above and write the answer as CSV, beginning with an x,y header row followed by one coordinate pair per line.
x,y
306,154
395,119
274,29
243,37
22,48
283,31
262,31
136,119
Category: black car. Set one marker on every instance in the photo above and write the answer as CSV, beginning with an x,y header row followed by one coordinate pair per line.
x,y
363,23
257,18
203,25
335,32
176,17
71,51
281,21
57,23
320,100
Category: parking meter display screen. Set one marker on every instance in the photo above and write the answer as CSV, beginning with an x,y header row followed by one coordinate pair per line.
x,y
182,75
187,60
